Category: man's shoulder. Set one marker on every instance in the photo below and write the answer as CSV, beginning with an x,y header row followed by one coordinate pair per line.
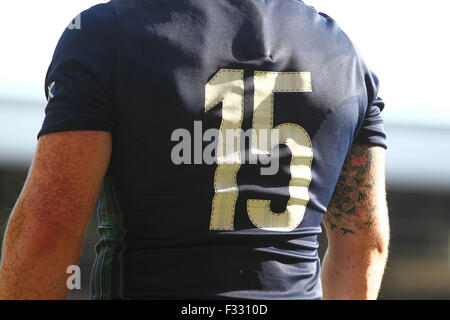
x,y
89,25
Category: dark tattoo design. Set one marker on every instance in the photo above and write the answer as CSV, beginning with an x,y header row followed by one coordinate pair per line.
x,y
345,231
350,208
369,223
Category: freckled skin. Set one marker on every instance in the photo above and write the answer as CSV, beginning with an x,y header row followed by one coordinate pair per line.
x,y
46,228
357,228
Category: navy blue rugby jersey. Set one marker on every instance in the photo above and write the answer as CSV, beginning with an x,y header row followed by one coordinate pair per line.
x,y
167,78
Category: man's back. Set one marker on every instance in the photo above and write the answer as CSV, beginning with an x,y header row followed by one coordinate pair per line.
x,y
173,224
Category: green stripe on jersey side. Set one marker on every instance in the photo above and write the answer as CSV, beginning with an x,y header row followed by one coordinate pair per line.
x,y
107,268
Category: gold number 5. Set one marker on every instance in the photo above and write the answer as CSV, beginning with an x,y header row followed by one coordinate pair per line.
x,y
228,86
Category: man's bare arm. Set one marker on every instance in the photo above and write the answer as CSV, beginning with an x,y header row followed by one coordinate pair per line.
x,y
357,228
46,229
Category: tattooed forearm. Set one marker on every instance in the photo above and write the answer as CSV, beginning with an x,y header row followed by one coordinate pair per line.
x,y
357,228
350,208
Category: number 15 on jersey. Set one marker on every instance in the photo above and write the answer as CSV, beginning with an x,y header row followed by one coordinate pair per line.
x,y
227,86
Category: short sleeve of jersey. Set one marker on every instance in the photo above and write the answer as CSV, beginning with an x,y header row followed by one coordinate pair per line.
x,y
372,129
80,80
